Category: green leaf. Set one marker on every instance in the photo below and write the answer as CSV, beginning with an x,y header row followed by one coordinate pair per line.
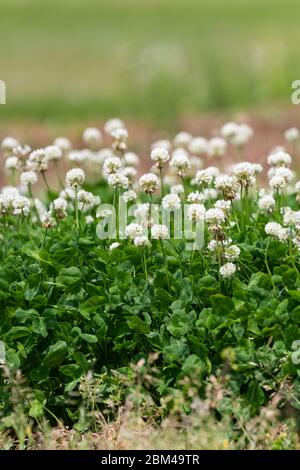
x,y
69,277
36,409
56,353
178,324
221,305
137,324
88,338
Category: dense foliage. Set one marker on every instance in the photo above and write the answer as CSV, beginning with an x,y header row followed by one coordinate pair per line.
x,y
71,303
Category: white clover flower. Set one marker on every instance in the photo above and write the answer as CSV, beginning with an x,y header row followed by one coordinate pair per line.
x,y
222,204
89,219
75,177
28,177
134,230
278,182
117,180
9,194
216,147
177,189
284,172
232,252
38,161
229,130
92,137
242,135
86,197
129,171
59,205
141,240
11,163
206,176
68,194
227,270
215,216
210,193
160,156
120,135
142,211
292,134
103,213
159,232
8,144
198,146
63,143
48,220
196,163
53,153
79,156
297,186
182,140
257,168
213,245
276,230
149,182
113,124
244,173
114,245
162,143
196,212
111,165
22,151
180,161
129,196
171,202
228,185
196,197
21,205
279,158
266,203
131,159
291,217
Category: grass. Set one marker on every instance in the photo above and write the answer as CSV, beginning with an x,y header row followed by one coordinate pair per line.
x,y
151,60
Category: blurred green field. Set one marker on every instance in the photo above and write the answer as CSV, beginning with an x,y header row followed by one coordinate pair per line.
x,y
153,60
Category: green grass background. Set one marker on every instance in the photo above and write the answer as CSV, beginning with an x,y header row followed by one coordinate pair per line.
x,y
150,60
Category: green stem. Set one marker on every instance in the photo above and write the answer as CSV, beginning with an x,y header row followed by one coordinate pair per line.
x,y
165,263
161,182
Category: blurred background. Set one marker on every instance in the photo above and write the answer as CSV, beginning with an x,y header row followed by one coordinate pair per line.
x,y
154,62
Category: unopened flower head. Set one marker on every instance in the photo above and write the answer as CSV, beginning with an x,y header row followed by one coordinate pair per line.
x,y
75,177
159,232
149,182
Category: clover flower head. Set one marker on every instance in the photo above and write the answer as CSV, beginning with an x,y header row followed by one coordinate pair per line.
x,y
171,202
159,232
279,158
129,196
196,197
111,165
38,160
92,137
292,134
11,163
112,125
103,213
53,153
266,203
215,216
162,143
196,212
177,189
182,139
149,182
232,252
8,144
141,240
134,230
227,270
21,205
198,146
276,230
216,147
28,177
75,177
86,197
160,156
131,159
63,143
223,205
228,185
180,161
117,180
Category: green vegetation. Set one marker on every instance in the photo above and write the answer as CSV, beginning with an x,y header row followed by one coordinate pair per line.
x,y
150,59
